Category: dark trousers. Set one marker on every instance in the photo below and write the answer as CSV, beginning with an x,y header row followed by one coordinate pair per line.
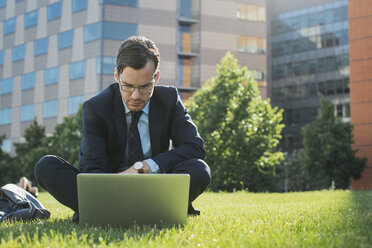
x,y
58,177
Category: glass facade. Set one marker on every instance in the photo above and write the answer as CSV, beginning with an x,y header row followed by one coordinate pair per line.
x,y
185,8
65,39
250,44
54,11
74,103
31,18
28,81
310,58
184,65
6,86
108,65
251,12
18,52
5,116
6,146
41,46
185,38
119,30
50,109
92,31
9,26
130,3
77,70
2,55
2,3
51,75
79,5
26,112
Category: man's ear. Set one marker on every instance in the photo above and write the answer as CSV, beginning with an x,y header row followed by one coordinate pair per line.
x,y
157,76
116,76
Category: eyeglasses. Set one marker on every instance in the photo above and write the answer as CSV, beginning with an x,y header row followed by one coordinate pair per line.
x,y
144,89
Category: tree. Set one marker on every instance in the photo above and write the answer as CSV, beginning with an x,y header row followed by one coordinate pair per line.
x,y
240,129
66,138
328,152
9,171
31,149
293,169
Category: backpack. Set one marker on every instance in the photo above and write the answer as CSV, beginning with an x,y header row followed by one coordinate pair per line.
x,y
16,204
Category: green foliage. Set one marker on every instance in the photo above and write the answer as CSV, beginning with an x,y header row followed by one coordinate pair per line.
x,y
66,138
293,168
328,152
30,150
64,142
241,219
240,129
9,171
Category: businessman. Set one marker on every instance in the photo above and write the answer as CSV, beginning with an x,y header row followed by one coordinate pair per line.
x,y
127,128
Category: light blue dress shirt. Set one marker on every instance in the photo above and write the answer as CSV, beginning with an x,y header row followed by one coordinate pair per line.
x,y
144,132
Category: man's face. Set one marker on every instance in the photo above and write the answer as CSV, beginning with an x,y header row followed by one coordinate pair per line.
x,y
143,81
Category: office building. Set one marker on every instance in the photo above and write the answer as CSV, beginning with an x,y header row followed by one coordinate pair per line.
x,y
360,21
56,54
308,58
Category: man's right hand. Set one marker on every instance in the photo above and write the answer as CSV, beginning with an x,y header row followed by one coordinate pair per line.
x,y
130,170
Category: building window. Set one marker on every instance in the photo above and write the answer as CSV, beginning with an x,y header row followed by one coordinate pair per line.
x,y
54,11
78,5
119,30
74,103
92,31
50,109
41,46
51,75
2,3
2,54
185,38
65,39
251,44
6,86
28,81
185,8
9,26
5,116
18,52
251,12
108,65
184,72
77,70
130,3
6,146
259,75
27,112
31,18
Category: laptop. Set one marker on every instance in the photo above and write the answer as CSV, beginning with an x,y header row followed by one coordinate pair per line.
x,y
123,200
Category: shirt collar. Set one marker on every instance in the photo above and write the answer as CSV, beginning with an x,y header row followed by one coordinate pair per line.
x,y
144,110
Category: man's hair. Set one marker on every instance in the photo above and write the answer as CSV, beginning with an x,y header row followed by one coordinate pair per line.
x,y
135,52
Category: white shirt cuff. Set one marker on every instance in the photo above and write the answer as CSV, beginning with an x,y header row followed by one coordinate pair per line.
x,y
154,167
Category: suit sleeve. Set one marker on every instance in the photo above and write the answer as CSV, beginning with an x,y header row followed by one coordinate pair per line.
x,y
92,157
185,138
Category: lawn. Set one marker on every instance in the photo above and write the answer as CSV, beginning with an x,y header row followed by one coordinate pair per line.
x,y
241,219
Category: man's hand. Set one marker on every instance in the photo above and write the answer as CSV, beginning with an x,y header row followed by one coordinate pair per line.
x,y
131,170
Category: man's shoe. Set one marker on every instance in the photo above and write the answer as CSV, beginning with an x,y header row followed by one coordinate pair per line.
x,y
75,218
192,211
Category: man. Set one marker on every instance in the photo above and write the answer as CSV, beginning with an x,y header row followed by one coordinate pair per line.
x,y
127,128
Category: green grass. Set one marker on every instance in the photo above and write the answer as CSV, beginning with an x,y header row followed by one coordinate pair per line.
x,y
241,219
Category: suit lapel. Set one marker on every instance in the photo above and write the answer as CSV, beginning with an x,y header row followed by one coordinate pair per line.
x,y
120,120
155,124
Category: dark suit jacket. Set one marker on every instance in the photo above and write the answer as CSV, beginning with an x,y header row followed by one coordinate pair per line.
x,y
105,131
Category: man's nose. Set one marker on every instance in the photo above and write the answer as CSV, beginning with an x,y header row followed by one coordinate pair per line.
x,y
136,93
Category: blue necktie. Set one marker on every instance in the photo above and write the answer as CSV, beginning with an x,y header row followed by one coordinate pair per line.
x,y
135,152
